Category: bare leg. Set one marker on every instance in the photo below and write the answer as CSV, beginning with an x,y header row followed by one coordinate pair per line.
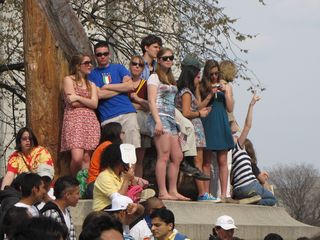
x,y
86,159
162,144
175,160
223,171
76,160
198,162
207,159
138,168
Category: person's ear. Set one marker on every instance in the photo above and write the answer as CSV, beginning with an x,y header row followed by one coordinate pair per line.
x,y
170,226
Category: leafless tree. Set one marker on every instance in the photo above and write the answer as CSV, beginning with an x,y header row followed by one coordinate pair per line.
x,y
297,188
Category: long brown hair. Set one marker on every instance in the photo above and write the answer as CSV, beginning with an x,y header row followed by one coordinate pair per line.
x,y
250,150
165,77
205,84
75,62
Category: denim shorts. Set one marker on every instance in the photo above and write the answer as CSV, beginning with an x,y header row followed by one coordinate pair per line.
x,y
168,123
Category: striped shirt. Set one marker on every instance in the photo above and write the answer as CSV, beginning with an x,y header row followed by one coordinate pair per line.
x,y
241,170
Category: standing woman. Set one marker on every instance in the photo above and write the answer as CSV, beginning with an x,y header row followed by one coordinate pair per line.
x,y
161,93
80,129
216,124
187,103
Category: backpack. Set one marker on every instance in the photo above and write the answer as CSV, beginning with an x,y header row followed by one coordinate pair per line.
x,y
180,236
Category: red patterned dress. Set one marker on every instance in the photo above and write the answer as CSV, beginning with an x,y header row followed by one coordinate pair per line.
x,y
81,128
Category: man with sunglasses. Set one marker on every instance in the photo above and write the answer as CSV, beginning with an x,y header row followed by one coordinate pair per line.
x,y
113,84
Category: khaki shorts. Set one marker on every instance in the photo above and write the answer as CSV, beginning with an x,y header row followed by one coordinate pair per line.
x,y
130,127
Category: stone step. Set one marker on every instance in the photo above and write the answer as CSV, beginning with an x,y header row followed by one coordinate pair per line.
x,y
196,219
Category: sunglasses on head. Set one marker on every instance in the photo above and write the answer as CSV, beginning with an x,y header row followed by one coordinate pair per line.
x,y
167,58
87,63
137,64
100,54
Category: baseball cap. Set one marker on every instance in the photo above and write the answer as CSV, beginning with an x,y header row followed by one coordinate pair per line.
x,y
191,60
226,222
119,202
45,170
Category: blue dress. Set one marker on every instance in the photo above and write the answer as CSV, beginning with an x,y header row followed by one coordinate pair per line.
x,y
216,125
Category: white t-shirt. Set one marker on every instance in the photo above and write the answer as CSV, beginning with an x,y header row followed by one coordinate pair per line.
x,y
140,230
32,209
67,219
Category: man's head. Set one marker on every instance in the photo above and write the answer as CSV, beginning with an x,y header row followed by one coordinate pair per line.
x,y
119,207
33,187
150,45
66,188
101,225
46,172
224,227
162,220
102,53
152,204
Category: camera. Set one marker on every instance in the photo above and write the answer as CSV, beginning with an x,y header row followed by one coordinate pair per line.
x,y
216,85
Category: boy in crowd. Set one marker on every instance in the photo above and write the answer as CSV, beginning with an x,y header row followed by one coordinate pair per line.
x,y
66,191
32,191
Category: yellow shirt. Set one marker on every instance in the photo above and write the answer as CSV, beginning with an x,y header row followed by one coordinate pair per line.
x,y
173,235
105,185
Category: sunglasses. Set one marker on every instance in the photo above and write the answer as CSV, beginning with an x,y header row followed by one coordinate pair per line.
x,y
167,58
137,64
100,54
87,63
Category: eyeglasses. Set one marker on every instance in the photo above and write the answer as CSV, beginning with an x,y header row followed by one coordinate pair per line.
x,y
87,63
167,58
214,74
136,64
100,54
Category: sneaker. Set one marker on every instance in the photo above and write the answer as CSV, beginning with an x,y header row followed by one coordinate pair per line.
x,y
250,200
207,197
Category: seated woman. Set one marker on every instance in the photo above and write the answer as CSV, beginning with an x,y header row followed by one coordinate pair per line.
x,y
245,184
110,133
115,177
28,155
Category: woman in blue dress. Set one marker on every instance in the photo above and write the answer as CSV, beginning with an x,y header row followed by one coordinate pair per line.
x,y
219,97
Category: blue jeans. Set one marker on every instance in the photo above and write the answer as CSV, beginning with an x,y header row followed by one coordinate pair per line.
x,y
255,188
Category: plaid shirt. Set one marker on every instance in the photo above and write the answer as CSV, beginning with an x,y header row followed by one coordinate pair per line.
x,y
56,216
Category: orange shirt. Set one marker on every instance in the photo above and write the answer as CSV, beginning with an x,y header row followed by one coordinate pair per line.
x,y
94,168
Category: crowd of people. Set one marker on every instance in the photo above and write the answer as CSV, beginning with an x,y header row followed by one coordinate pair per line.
x,y
186,120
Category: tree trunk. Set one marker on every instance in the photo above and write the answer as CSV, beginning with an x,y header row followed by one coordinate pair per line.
x,y
52,33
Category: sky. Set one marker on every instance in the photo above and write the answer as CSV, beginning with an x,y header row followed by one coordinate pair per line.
x,y
286,57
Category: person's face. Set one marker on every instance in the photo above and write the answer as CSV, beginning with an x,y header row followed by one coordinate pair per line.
x,y
40,192
73,196
85,65
160,229
111,235
196,80
166,60
103,56
224,234
136,67
26,142
122,135
153,50
214,74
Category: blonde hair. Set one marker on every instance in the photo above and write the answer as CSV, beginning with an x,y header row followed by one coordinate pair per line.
x,y
228,70
76,60
165,77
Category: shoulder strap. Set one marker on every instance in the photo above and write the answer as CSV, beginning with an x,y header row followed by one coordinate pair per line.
x,y
52,206
180,236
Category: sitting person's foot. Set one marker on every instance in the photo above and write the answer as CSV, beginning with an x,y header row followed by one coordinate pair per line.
x,y
193,171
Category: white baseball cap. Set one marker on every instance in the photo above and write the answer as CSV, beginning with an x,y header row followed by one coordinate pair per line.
x,y
45,170
225,222
119,202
